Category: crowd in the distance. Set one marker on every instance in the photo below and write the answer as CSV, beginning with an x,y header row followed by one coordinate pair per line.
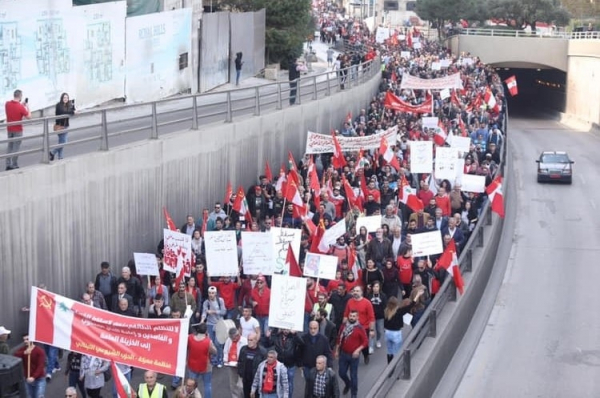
x,y
378,279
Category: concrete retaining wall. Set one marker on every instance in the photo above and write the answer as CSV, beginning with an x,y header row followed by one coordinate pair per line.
x,y
60,221
583,80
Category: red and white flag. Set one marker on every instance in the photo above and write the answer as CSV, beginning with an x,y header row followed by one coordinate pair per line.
x,y
291,162
281,180
407,196
241,205
449,260
71,325
338,159
490,101
169,220
494,192
293,195
385,150
440,135
316,238
511,83
292,264
123,388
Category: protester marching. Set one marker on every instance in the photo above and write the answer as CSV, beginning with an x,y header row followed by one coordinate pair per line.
x,y
311,268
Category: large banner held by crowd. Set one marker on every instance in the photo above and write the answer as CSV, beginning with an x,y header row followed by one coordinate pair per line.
x,y
74,326
286,310
440,83
221,253
322,143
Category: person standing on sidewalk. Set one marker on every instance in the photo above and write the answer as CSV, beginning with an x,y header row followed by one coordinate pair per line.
x,y
34,361
351,341
15,112
64,107
293,75
238,67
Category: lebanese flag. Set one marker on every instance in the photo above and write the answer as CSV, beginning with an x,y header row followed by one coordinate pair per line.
x,y
293,195
281,180
228,193
407,196
490,100
291,162
292,264
123,388
338,159
268,172
316,237
440,135
170,223
511,83
241,205
449,261
352,263
388,154
494,192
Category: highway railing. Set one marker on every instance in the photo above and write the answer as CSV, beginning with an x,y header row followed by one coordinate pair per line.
x,y
593,35
151,119
427,327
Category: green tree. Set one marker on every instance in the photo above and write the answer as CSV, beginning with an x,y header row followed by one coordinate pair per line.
x,y
529,11
439,11
288,24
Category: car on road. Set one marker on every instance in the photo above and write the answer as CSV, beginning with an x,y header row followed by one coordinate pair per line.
x,y
555,166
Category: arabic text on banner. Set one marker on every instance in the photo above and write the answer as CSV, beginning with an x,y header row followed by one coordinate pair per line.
x,y
286,310
440,83
323,143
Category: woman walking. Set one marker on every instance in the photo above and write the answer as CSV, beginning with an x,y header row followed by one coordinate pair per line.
x,y
64,107
393,322
92,374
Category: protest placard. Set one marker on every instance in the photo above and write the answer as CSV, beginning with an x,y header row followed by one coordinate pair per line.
x,y
421,156
405,54
257,253
221,253
382,34
460,167
445,63
282,239
445,93
472,183
320,266
463,144
430,122
436,66
416,45
370,222
286,308
145,264
177,251
445,163
427,243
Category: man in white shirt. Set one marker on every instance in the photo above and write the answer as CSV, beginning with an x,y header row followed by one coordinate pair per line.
x,y
231,354
248,323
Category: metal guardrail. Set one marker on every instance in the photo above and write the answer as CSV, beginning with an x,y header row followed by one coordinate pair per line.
x,y
594,35
401,365
190,111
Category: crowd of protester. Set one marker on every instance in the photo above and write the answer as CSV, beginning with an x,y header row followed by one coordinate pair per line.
x,y
378,279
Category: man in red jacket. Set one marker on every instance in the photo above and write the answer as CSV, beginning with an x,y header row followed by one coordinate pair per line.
x,y
351,341
261,298
366,315
34,364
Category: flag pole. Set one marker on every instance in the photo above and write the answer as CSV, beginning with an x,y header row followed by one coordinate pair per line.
x,y
29,360
283,209
317,287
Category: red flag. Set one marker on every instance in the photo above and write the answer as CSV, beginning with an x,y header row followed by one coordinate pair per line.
x,y
241,206
406,196
409,41
268,172
449,260
228,193
454,98
290,260
316,238
393,102
293,195
352,201
204,221
511,83
462,127
494,192
388,154
394,78
170,223
338,157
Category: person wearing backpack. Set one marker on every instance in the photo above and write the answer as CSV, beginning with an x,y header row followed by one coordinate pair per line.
x,y
213,310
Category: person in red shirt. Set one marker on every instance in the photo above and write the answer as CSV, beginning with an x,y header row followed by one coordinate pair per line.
x,y
352,339
405,271
227,289
442,200
366,315
34,367
261,298
15,112
425,194
200,348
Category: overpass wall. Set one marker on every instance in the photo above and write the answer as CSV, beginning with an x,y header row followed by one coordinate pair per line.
x,y
583,80
60,221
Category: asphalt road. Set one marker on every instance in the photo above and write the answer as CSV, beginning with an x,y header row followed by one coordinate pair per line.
x,y
367,374
542,338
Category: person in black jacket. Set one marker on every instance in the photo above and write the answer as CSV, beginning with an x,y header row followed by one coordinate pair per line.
x,y
64,107
331,386
134,289
293,75
394,321
238,67
250,357
313,345
287,343
326,327
339,298
106,283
